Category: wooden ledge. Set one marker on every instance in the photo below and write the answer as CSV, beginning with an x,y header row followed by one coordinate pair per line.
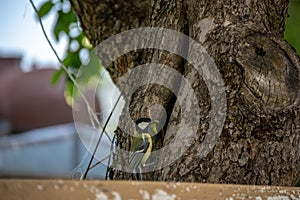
x,y
101,190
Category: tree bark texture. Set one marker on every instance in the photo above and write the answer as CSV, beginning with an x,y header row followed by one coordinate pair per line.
x,y
260,140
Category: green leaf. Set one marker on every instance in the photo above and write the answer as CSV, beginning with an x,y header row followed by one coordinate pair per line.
x,y
72,60
56,75
70,90
45,8
93,67
63,22
293,25
79,38
61,25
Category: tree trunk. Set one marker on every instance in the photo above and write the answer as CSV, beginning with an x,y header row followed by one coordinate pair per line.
x,y
260,141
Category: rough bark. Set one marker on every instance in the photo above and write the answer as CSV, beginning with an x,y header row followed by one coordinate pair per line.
x,y
260,141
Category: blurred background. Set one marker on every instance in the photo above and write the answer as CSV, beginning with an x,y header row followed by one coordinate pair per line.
x,y
38,138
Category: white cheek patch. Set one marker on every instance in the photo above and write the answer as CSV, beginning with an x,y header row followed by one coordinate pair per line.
x,y
143,125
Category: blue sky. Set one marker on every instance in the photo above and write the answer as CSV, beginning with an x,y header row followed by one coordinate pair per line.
x,y
22,35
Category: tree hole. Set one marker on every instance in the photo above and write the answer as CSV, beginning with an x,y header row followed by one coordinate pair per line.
x,y
260,51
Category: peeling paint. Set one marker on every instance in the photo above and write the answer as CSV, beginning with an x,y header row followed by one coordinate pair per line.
x,y
283,191
76,183
101,196
230,198
188,189
278,198
65,187
85,185
145,194
116,195
175,185
294,198
56,187
40,187
145,191
72,189
161,194
94,189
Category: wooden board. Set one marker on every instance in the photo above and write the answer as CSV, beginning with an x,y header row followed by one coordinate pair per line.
x,y
117,190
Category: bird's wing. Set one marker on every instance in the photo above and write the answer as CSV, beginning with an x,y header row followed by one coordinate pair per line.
x,y
135,160
142,148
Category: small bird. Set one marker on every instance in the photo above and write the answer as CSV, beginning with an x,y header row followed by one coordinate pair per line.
x,y
140,154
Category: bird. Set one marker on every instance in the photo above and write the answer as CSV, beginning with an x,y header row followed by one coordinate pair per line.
x,y
140,154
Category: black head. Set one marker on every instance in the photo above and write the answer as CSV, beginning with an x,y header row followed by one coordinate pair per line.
x,y
142,124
